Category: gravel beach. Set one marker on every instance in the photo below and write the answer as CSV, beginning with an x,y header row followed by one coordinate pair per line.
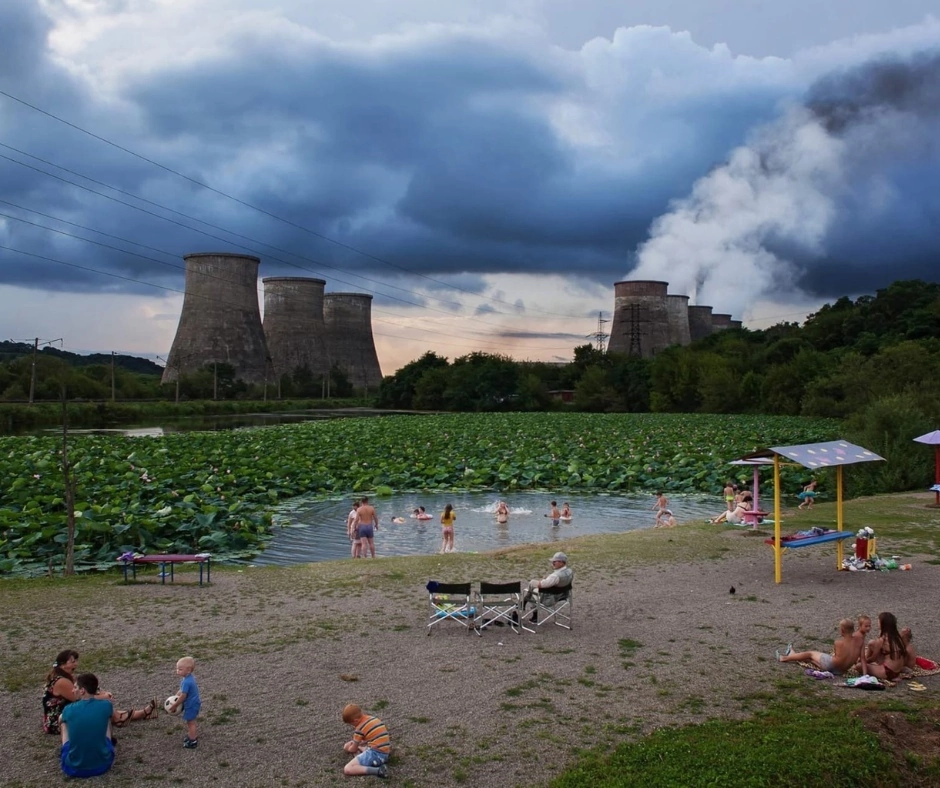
x,y
658,640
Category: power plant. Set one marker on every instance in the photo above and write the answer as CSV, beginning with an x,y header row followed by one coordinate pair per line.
x,y
220,321
647,319
348,318
303,327
293,324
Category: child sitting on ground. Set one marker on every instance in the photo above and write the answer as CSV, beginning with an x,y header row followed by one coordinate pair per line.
x,y
848,651
370,741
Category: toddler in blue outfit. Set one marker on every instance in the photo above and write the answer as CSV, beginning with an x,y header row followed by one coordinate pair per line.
x,y
188,696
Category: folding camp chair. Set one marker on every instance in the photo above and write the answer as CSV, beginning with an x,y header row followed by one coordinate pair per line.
x,y
548,606
499,603
450,602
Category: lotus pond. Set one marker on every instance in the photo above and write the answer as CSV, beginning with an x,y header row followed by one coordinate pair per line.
x,y
216,491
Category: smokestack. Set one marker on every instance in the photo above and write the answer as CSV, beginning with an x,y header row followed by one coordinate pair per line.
x,y
348,318
720,321
700,322
677,308
640,325
293,324
220,320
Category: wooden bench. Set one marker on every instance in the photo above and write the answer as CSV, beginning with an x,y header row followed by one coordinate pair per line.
x,y
204,560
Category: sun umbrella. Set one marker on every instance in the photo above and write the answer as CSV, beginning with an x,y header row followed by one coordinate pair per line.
x,y
933,438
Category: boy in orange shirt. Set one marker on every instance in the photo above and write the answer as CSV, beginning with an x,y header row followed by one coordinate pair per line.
x,y
370,741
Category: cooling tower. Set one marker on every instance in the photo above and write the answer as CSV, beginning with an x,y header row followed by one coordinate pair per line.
x,y
293,324
220,321
700,322
640,325
735,324
677,308
348,318
720,321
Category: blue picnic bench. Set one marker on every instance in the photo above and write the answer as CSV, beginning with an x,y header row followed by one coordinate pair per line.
x,y
806,541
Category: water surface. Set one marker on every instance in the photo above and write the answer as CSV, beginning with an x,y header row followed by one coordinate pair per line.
x,y
316,530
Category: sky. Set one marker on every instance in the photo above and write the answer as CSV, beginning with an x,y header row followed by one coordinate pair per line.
x,y
485,170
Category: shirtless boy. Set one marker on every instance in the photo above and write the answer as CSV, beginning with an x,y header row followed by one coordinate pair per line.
x,y
848,651
555,514
368,523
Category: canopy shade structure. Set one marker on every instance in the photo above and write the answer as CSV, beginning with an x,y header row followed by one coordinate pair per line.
x,y
933,438
815,456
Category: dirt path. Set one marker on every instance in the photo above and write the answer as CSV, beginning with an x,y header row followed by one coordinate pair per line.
x,y
281,651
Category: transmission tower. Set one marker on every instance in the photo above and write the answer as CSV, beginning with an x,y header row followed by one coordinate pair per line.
x,y
600,336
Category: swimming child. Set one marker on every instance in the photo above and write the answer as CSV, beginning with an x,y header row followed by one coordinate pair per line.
x,y
502,512
421,514
554,514
565,512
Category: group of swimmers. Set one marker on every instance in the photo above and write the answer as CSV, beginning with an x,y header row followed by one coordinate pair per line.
x,y
887,656
362,522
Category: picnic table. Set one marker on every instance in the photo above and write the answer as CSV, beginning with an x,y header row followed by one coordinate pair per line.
x,y
132,561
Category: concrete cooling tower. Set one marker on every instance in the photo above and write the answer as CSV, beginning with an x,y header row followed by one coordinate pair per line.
x,y
700,322
720,321
293,324
735,324
220,320
640,325
677,309
348,318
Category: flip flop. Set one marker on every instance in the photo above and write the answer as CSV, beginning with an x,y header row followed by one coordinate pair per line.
x,y
916,686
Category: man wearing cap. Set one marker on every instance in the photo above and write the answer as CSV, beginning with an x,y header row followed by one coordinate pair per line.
x,y
561,575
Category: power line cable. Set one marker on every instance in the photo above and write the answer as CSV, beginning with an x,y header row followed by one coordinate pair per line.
x,y
258,209
217,227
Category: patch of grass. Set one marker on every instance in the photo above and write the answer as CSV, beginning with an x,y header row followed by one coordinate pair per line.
x,y
776,748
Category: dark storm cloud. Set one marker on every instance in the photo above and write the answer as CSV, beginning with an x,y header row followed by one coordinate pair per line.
x,y
446,152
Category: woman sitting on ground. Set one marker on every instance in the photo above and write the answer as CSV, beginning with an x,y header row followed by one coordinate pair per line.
x,y
735,517
60,691
888,650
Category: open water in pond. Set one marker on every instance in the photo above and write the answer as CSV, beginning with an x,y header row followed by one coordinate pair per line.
x,y
316,530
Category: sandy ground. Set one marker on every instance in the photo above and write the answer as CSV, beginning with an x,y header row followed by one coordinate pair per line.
x,y
281,652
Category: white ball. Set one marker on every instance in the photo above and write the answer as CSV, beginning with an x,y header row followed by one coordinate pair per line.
x,y
169,702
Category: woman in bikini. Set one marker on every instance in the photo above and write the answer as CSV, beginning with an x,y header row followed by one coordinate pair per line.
x,y
888,650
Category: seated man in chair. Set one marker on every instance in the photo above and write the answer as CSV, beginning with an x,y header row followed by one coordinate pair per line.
x,y
560,577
